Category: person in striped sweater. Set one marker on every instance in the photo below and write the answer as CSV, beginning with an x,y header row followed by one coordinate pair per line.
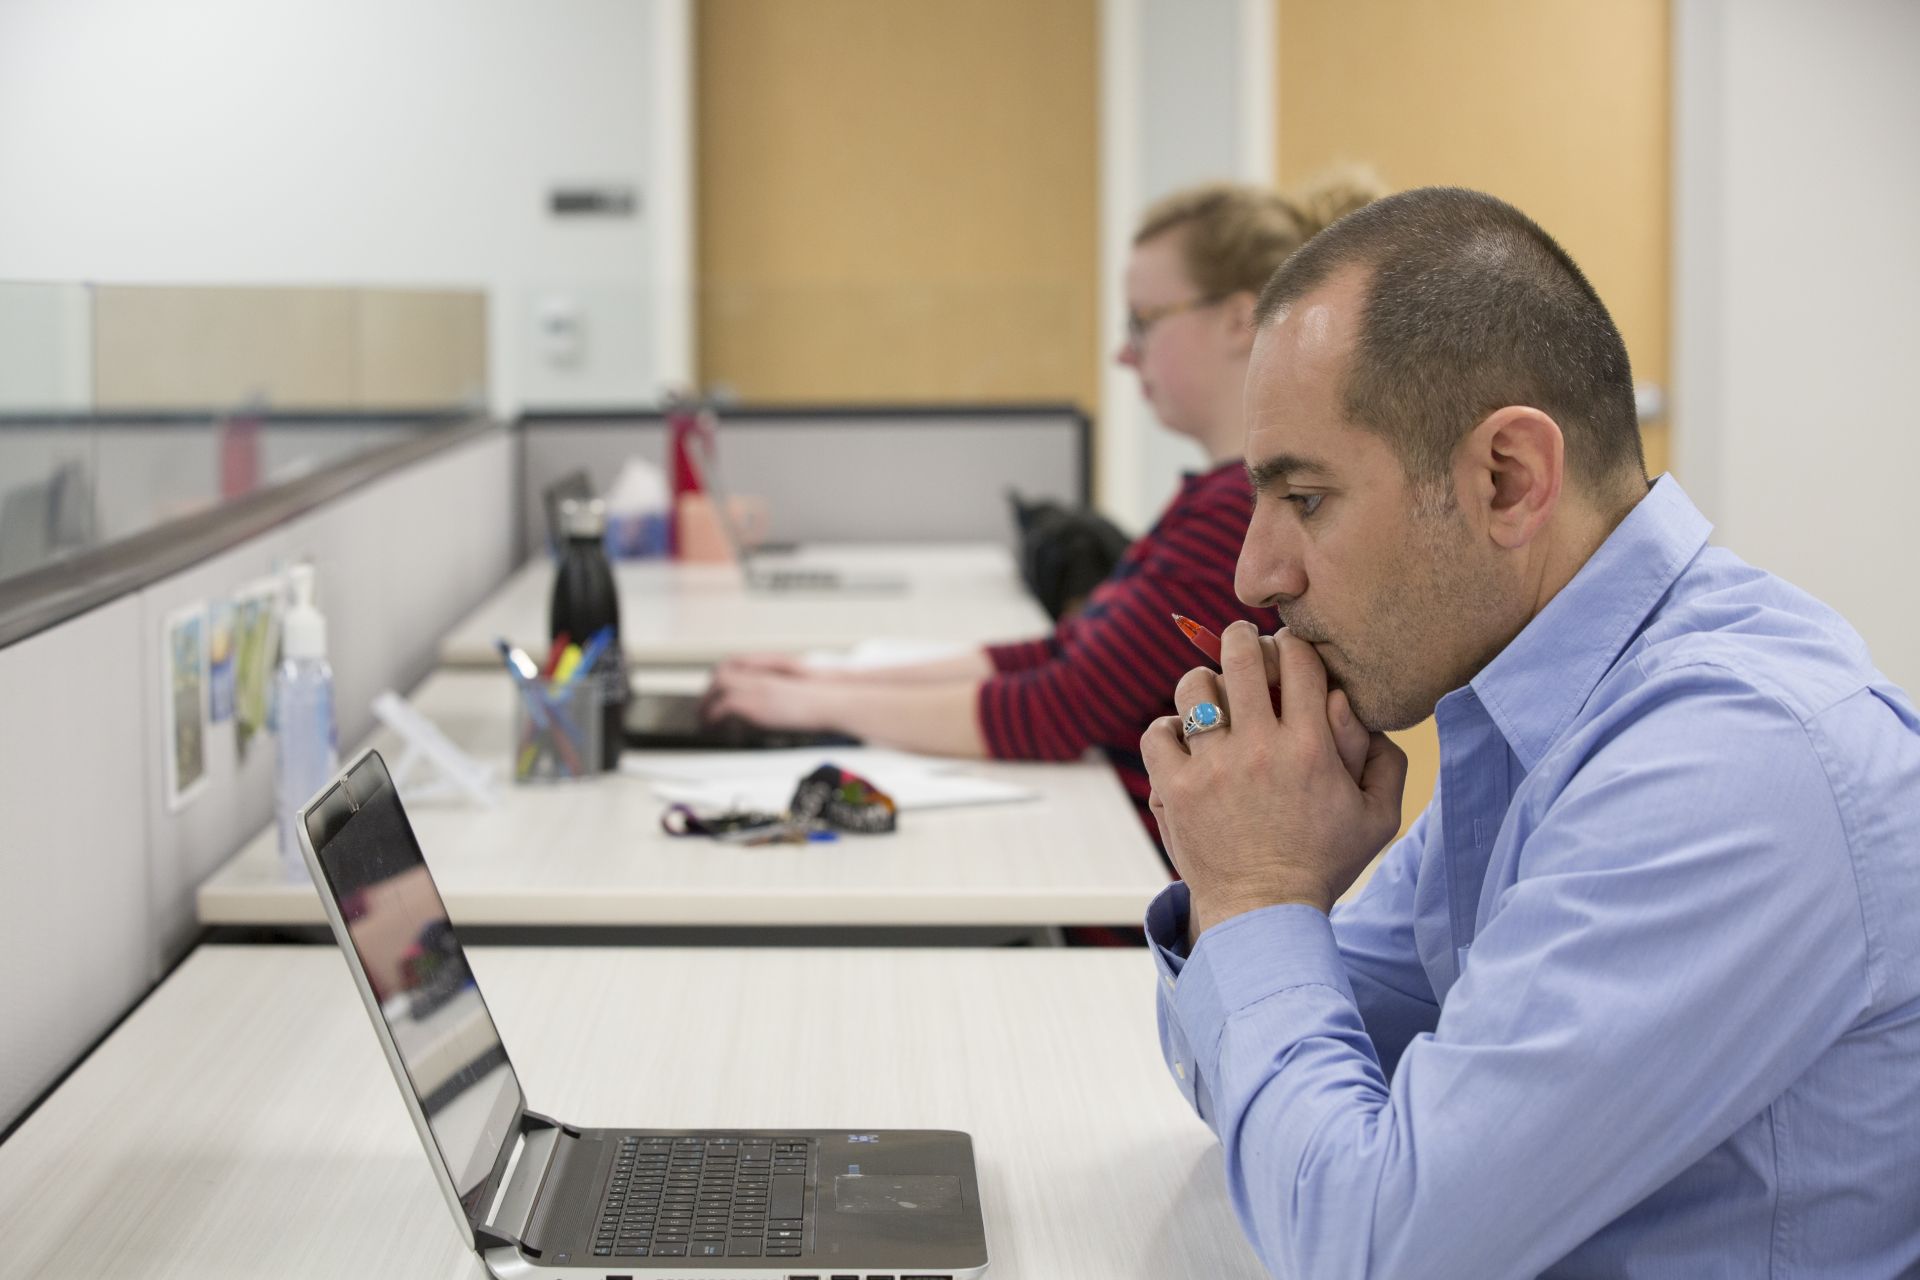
x,y
1199,261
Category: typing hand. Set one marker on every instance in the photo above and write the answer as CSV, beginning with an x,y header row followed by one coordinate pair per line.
x,y
775,701
772,664
1270,808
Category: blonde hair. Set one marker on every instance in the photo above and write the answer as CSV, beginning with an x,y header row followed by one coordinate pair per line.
x,y
1234,237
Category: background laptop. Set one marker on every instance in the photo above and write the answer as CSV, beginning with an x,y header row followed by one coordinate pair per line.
x,y
676,721
576,485
536,1197
757,574
672,720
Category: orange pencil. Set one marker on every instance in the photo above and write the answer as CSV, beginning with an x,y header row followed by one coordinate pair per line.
x,y
1203,640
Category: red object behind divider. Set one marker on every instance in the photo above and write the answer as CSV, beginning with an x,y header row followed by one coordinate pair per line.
x,y
688,429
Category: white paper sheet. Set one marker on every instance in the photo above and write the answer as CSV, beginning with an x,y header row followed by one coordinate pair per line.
x,y
766,779
874,654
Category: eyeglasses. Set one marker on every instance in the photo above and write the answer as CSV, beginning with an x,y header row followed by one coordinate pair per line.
x,y
1139,323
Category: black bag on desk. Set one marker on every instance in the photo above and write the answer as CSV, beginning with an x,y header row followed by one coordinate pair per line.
x,y
1065,552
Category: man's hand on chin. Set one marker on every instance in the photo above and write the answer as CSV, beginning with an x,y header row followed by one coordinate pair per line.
x,y
1269,808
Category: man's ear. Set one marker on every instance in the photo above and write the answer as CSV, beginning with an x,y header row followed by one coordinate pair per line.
x,y
1515,464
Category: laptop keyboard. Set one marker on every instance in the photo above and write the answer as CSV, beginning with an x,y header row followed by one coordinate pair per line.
x,y
801,579
693,1197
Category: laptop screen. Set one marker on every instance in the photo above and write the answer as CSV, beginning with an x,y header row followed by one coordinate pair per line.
x,y
398,926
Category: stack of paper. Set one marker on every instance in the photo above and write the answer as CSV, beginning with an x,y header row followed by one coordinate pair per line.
x,y
878,652
765,780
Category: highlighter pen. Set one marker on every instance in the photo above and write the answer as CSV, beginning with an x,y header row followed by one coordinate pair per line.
x,y
1203,640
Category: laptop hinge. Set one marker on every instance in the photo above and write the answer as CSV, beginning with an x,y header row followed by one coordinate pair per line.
x,y
510,1213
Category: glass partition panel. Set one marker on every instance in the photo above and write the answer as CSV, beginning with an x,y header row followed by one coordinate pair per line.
x,y
124,408
47,462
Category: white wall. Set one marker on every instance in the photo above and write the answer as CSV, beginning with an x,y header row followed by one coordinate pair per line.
x,y
361,142
1797,269
1186,96
46,347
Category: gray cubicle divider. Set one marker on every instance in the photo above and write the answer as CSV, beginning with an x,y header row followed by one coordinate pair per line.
x,y
858,474
97,873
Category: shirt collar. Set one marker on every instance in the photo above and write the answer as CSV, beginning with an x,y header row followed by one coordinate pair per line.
x,y
1536,686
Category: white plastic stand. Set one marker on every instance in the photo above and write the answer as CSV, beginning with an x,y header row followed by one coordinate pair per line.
x,y
452,771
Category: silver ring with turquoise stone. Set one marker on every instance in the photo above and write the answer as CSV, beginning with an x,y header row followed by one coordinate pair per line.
x,y
1204,717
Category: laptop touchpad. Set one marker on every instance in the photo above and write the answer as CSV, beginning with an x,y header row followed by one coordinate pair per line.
x,y
896,1193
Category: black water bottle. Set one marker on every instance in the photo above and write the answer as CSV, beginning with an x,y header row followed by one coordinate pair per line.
x,y
584,601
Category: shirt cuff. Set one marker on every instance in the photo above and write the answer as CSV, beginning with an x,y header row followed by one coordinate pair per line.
x,y
1167,940
1240,962
1167,930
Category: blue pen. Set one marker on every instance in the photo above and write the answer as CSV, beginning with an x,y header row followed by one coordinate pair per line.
x,y
529,697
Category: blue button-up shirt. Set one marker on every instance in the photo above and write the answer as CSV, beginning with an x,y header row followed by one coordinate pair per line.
x,y
1638,995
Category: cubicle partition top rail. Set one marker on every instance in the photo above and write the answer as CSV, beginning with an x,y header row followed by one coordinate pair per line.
x,y
38,599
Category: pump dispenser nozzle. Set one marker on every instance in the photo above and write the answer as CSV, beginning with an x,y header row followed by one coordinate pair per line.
x,y
305,633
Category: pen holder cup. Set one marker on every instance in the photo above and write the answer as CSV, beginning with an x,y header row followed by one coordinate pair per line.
x,y
557,732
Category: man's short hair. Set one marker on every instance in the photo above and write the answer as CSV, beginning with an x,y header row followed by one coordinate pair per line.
x,y
1471,307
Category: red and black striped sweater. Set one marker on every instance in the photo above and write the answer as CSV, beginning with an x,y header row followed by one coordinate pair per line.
x,y
1109,671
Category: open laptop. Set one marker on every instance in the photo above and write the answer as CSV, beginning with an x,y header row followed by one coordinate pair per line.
x,y
536,1197
671,720
754,571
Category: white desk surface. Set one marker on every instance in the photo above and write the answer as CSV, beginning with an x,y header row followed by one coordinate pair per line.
x,y
699,613
243,1123
593,853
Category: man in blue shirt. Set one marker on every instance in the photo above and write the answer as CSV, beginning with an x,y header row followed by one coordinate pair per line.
x,y
1639,993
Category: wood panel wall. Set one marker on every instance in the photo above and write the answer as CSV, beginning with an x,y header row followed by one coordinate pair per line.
x,y
898,201
215,346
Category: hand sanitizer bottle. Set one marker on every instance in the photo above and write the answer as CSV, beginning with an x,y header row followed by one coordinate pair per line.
x,y
303,701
